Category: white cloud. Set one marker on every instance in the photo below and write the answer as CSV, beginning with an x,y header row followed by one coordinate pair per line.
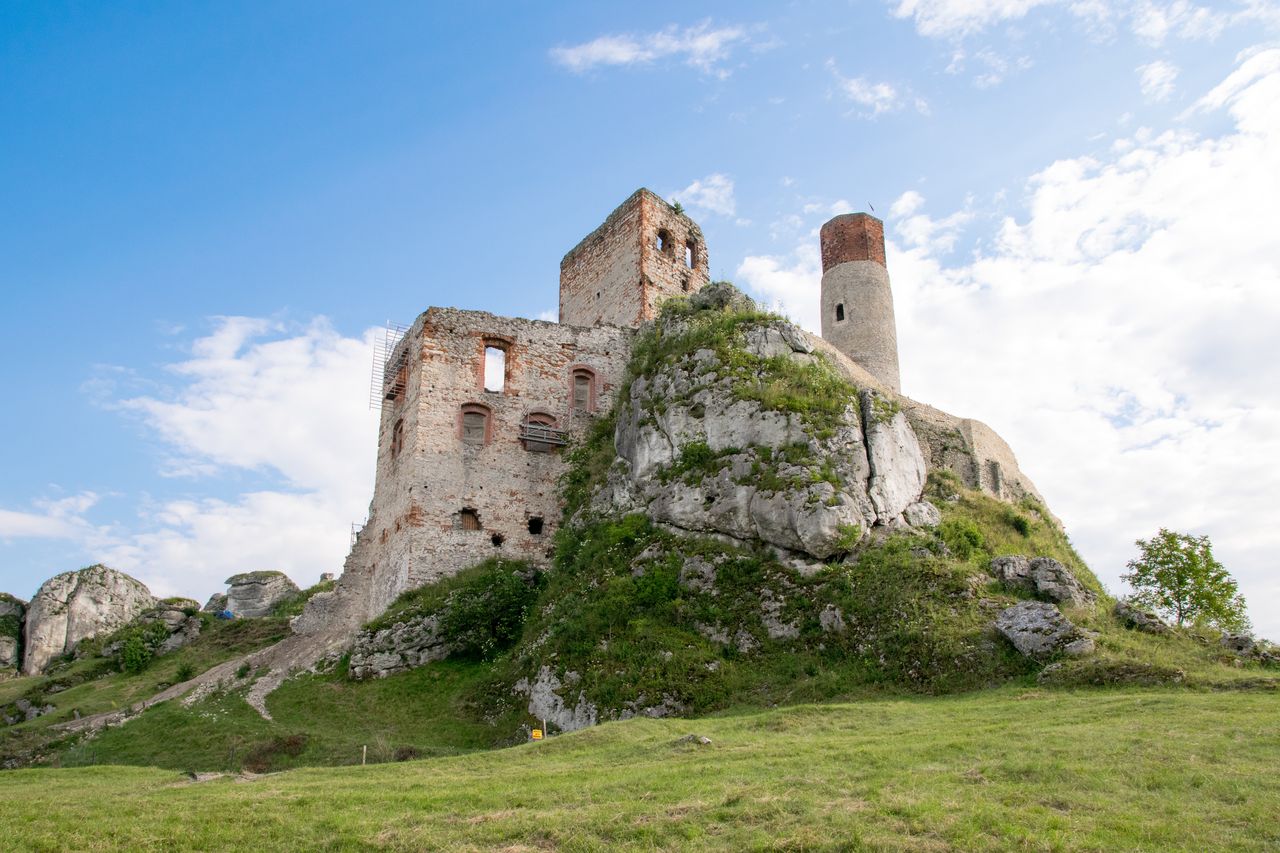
x,y
699,46
875,98
1157,79
714,194
1151,21
993,67
1120,335
54,519
251,397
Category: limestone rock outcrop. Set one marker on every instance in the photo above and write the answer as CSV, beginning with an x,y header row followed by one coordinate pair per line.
x,y
254,594
180,618
1042,577
1038,630
12,613
400,647
699,455
1139,619
76,605
216,603
545,701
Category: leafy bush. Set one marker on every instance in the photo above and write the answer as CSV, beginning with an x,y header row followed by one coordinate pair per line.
x,y
262,757
185,673
962,536
138,645
485,616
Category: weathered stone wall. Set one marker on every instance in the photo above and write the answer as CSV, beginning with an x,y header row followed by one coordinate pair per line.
x,y
426,478
644,253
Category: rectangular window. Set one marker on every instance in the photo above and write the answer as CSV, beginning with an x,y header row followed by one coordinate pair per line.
x,y
495,369
473,427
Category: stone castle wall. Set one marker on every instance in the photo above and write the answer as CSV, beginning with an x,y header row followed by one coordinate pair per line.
x,y
644,253
441,503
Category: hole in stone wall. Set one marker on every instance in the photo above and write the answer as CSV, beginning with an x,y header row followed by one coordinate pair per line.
x,y
495,369
535,525
690,253
684,284
664,241
497,539
469,519
839,312
397,438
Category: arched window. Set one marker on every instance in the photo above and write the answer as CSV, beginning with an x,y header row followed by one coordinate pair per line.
x,y
397,438
474,424
582,390
690,253
839,311
664,241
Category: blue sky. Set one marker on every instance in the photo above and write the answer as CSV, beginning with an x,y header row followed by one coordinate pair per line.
x,y
209,209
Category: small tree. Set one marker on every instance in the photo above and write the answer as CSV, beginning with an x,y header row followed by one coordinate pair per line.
x,y
1177,575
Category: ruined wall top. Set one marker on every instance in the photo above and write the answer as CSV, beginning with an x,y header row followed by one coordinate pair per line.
x,y
644,252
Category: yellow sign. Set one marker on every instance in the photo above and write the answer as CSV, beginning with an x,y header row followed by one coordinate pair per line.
x,y
537,734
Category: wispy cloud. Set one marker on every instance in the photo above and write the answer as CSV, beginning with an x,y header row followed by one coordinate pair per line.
x,y
701,46
714,194
1153,21
874,98
1157,80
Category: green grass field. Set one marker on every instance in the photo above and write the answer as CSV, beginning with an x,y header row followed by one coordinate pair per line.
x,y
1011,769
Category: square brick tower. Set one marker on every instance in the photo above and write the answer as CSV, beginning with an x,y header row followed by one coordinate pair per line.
x,y
644,253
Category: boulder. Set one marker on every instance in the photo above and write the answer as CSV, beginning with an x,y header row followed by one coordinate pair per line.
x,y
216,603
254,594
1042,577
1038,630
180,618
721,295
398,648
1138,619
73,606
1241,644
13,612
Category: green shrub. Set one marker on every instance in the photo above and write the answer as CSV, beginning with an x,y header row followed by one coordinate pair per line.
x,y
484,616
185,673
962,536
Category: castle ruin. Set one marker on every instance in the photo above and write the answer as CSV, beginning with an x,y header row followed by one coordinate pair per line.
x,y
476,408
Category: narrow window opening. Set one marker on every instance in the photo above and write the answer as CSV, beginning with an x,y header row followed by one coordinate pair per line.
x,y
839,312
535,525
397,438
684,284
582,390
495,369
664,242
469,519
690,254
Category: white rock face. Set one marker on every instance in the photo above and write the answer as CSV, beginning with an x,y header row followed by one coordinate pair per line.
x,y
546,703
897,466
775,477
73,606
254,594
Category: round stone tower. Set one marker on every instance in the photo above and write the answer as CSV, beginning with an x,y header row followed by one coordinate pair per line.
x,y
857,304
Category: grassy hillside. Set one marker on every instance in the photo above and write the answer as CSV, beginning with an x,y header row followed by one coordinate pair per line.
x,y
1009,769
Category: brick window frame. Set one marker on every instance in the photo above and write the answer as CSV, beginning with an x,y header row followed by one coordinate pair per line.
x,y
397,438
582,370
475,409
504,343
